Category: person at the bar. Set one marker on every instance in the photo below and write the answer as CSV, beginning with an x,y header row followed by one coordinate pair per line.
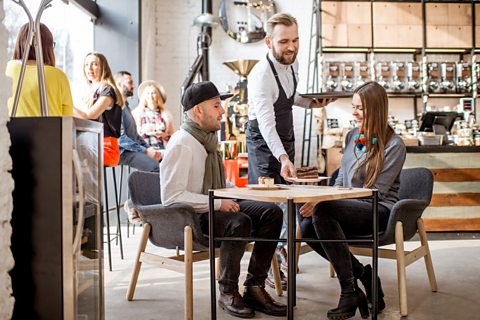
x,y
373,158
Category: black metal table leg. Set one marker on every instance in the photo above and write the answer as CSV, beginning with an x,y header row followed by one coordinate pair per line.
x,y
211,250
375,255
292,268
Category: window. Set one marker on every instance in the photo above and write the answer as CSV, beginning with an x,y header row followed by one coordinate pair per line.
x,y
72,32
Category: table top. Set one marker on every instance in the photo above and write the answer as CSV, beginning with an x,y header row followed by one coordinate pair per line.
x,y
298,193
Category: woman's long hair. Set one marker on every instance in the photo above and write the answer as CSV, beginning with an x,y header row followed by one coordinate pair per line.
x,y
47,45
160,103
106,76
375,107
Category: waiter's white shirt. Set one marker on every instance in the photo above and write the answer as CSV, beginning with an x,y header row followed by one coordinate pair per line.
x,y
263,92
182,170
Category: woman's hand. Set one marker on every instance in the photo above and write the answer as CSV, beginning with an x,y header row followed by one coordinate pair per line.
x,y
306,210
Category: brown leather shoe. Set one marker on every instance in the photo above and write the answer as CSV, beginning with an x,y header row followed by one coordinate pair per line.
x,y
233,304
258,299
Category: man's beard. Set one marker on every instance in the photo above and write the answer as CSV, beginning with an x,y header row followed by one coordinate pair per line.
x,y
127,93
281,59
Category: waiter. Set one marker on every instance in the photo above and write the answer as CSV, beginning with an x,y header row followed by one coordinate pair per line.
x,y
272,91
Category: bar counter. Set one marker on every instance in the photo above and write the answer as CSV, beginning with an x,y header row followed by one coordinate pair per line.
x,y
455,203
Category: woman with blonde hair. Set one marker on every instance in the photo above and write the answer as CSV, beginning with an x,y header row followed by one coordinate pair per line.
x,y
103,103
373,158
59,96
154,123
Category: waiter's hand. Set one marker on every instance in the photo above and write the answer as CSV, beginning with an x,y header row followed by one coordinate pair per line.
x,y
229,206
288,169
307,209
320,103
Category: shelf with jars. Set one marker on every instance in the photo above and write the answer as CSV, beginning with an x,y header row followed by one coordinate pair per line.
x,y
419,33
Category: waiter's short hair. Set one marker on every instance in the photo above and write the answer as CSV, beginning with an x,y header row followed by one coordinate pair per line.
x,y
285,19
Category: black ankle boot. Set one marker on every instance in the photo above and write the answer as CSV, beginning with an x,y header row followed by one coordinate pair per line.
x,y
348,304
366,280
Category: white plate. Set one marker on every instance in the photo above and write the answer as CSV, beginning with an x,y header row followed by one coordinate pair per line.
x,y
263,187
307,180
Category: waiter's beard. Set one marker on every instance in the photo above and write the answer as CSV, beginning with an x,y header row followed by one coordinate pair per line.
x,y
281,58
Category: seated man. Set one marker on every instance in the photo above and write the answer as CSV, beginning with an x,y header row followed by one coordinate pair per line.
x,y
190,167
134,151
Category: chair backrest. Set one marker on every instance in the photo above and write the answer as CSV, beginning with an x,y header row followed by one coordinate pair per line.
x,y
168,222
416,183
144,188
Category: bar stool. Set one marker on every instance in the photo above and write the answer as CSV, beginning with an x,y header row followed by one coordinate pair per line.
x,y
129,170
118,234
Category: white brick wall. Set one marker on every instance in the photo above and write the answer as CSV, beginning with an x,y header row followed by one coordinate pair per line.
x,y
169,48
6,187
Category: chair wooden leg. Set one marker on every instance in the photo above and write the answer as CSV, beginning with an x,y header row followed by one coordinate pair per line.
x,y
331,270
138,264
217,268
276,276
298,245
401,272
188,265
428,258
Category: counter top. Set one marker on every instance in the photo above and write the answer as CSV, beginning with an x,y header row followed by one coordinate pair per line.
x,y
442,149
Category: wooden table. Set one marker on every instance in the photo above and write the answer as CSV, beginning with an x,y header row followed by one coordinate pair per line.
x,y
292,195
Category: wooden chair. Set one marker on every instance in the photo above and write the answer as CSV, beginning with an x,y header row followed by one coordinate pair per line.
x,y
415,193
173,227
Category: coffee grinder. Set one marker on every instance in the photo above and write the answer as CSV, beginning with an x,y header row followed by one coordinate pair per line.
x,y
361,73
347,76
332,76
464,77
398,76
237,108
413,77
447,77
383,75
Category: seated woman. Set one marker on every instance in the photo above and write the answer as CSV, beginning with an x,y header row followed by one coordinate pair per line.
x,y
59,96
103,103
373,158
154,123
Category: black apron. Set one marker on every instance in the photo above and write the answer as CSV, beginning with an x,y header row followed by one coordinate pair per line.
x,y
261,162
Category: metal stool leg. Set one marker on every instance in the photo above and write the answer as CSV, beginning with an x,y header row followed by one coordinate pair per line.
x,y
107,218
119,229
121,185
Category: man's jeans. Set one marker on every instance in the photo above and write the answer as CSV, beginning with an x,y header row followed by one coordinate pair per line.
x,y
255,219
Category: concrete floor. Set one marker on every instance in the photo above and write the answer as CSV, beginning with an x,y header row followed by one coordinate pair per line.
x,y
159,293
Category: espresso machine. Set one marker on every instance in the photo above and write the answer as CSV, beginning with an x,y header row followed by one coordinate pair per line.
x,y
237,106
361,73
414,78
464,77
398,76
332,76
347,76
383,75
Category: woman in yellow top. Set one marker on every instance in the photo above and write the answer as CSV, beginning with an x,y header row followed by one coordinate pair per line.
x,y
59,96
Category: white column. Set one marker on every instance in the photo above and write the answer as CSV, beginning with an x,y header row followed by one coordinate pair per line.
x,y
6,185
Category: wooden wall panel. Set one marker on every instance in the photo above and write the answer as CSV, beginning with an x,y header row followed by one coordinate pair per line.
x,y
346,24
397,24
452,224
335,35
456,175
449,25
455,199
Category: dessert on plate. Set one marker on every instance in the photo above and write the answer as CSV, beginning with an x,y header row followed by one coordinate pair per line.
x,y
307,173
266,181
